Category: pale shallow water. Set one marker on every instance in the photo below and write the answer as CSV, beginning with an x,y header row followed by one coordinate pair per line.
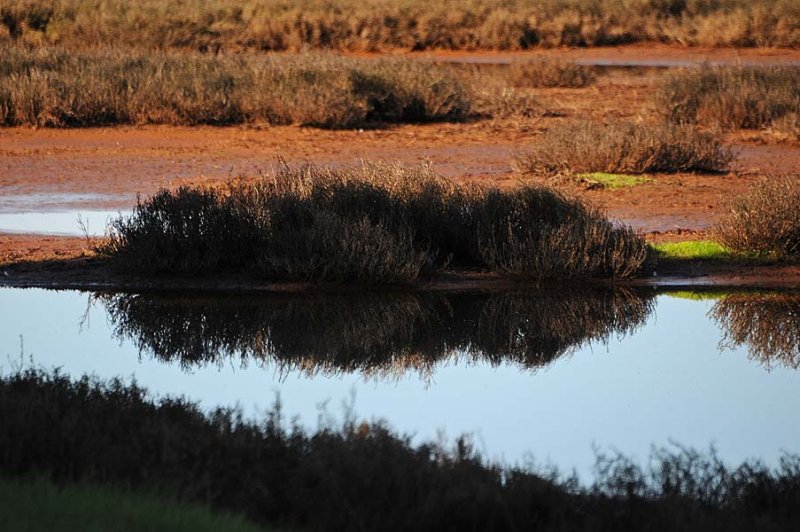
x,y
660,377
64,223
12,202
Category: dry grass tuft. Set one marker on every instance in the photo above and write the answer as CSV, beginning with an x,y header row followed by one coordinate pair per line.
x,y
548,72
731,96
765,221
786,128
624,147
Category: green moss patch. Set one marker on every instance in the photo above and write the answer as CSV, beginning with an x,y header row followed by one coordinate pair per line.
x,y
692,250
614,181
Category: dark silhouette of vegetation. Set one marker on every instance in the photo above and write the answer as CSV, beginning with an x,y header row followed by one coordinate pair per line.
x,y
764,221
361,476
225,25
733,97
624,147
375,333
52,87
373,223
767,323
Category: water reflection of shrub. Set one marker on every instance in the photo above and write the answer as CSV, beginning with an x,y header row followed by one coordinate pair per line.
x,y
768,324
374,332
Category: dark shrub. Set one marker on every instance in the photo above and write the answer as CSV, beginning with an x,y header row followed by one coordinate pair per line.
x,y
370,223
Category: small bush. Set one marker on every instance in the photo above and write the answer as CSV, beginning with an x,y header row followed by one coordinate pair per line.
x,y
624,147
370,223
535,232
787,127
730,96
765,221
547,72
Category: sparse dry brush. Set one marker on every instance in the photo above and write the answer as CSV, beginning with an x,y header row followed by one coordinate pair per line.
x,y
51,87
212,25
624,147
55,88
733,97
508,91
765,221
787,127
375,222
548,72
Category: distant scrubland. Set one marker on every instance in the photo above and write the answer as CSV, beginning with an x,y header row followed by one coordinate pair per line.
x,y
375,25
54,87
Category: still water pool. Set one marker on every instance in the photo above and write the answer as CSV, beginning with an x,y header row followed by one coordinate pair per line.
x,y
532,374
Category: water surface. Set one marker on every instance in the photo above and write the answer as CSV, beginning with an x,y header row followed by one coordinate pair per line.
x,y
64,223
530,373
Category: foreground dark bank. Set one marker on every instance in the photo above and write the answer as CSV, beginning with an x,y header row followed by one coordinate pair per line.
x,y
361,476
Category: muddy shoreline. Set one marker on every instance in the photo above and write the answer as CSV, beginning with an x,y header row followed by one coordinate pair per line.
x,y
69,264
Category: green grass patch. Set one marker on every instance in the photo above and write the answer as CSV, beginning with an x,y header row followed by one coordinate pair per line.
x,y
39,504
613,181
692,250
